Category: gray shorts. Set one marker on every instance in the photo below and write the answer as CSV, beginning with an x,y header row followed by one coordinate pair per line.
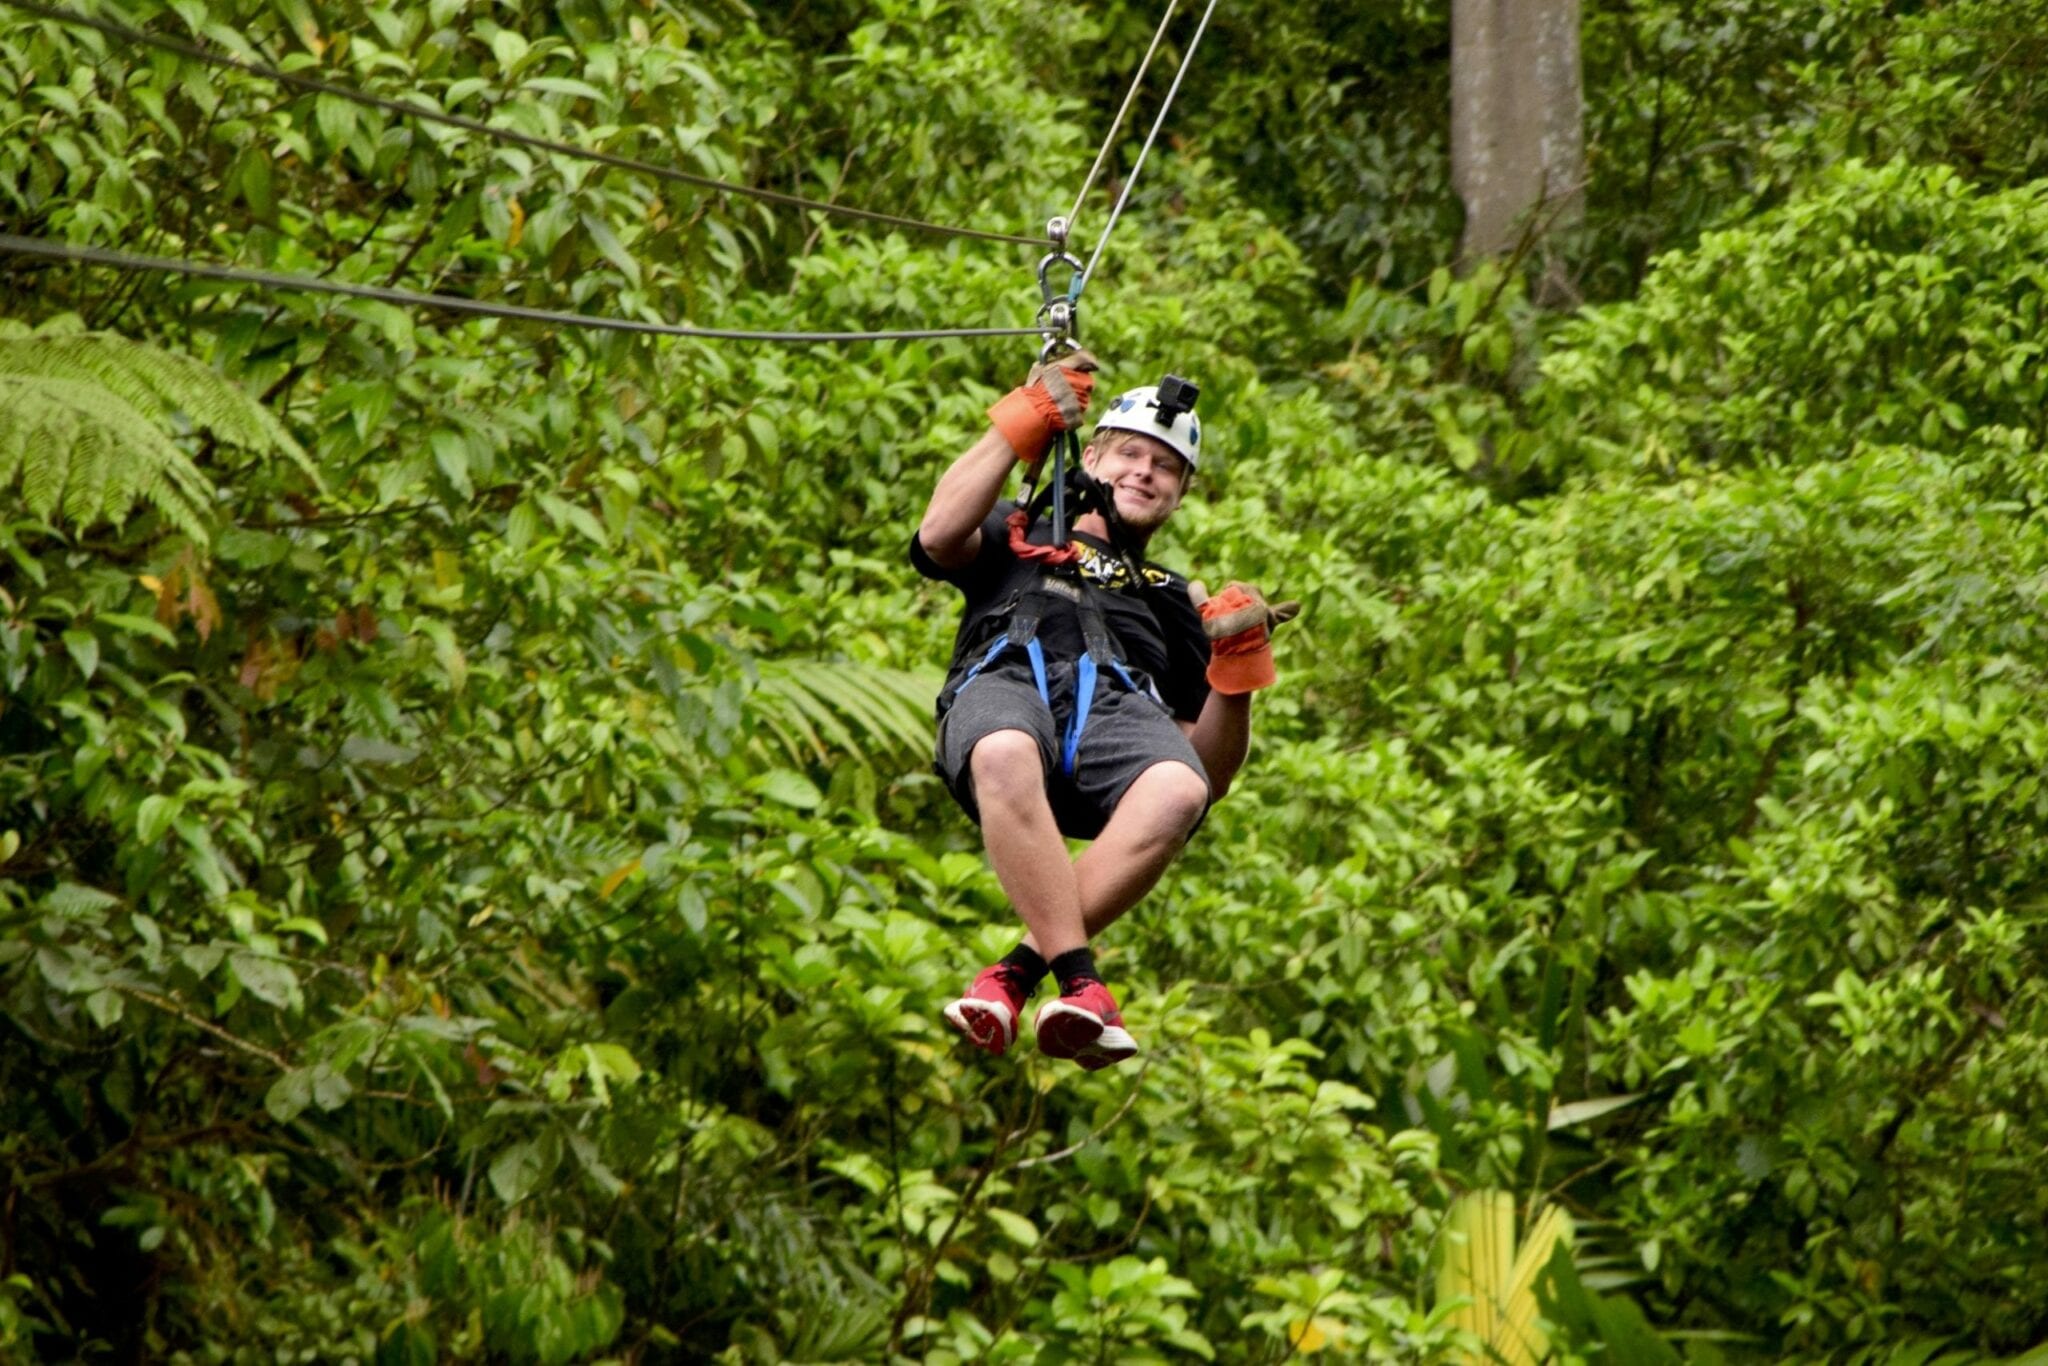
x,y
1127,733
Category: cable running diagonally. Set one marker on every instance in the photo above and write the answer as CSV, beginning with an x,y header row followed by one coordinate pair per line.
x,y
408,109
1081,280
1116,124
455,303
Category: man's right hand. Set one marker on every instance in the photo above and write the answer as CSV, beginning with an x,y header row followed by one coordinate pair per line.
x,y
1049,401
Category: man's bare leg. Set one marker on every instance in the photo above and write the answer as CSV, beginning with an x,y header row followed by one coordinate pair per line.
x,y
1144,835
1024,843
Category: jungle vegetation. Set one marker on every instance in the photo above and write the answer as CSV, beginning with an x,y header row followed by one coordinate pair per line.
x,y
471,886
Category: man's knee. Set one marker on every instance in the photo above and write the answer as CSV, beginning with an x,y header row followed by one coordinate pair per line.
x,y
1175,794
1007,768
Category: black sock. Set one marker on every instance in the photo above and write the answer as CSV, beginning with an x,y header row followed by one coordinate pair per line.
x,y
1074,967
1025,967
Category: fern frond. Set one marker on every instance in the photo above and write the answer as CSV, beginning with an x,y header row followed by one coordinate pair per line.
x,y
163,386
80,447
47,461
173,505
880,716
13,442
85,482
125,482
895,702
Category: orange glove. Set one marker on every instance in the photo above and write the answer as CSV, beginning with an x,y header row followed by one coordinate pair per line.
x,y
1239,626
1051,400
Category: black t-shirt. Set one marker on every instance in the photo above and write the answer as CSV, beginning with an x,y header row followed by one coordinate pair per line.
x,y
1157,629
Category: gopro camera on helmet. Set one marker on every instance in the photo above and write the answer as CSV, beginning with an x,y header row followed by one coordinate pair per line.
x,y
1176,396
1164,411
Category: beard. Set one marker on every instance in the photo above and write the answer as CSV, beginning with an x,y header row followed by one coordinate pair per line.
x,y
1143,514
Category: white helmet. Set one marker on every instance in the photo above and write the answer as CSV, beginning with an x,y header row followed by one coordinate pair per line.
x,y
1137,410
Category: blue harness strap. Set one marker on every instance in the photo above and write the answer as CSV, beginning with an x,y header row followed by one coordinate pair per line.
x,y
1022,630
1084,697
1100,653
986,660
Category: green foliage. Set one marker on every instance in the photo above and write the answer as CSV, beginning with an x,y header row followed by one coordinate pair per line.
x,y
470,889
83,418
1885,305
1698,114
816,708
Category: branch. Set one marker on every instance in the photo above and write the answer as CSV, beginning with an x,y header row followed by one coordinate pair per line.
x,y
169,1006
1072,1148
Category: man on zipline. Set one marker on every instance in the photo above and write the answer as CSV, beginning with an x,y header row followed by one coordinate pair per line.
x,y
1090,695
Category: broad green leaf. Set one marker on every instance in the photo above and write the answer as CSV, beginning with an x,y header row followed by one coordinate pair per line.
x,y
252,549
521,525
134,625
518,1170
616,1062
72,899
451,453
365,749
1016,1227
84,649
1580,1111
509,47
265,978
202,959
556,85
69,970
607,242
155,815
789,788
289,1095
300,924
330,1089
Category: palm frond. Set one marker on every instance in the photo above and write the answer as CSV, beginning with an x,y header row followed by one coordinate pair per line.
x,y
1498,1284
818,707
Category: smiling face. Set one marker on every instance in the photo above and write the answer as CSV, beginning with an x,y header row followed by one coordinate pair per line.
x,y
1148,476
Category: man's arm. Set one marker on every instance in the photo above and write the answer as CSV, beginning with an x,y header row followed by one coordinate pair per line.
x,y
1222,736
966,494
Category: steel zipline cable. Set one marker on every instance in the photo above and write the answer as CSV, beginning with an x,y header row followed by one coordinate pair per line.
x,y
1116,124
455,303
409,109
1081,280
41,248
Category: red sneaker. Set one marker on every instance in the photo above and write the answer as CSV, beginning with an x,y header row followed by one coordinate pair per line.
x,y
989,1010
1086,1027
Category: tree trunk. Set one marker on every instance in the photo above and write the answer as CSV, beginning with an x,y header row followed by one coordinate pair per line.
x,y
1518,158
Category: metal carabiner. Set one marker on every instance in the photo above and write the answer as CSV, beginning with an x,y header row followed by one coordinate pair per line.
x,y
1045,289
1057,313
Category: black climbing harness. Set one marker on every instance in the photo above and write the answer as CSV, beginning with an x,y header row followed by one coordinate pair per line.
x,y
1098,660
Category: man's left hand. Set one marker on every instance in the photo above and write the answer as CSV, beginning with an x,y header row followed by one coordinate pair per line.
x,y
1239,626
